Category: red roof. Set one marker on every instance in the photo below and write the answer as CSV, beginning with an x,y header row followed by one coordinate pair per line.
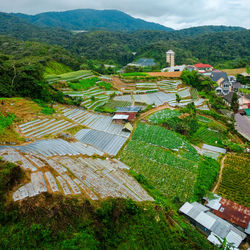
x,y
233,212
201,65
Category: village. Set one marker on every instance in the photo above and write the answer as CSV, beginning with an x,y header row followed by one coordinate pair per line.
x,y
117,116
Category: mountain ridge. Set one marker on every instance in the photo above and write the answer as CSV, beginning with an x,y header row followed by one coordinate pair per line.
x,y
90,19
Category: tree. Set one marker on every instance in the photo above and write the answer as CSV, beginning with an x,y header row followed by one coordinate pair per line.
x,y
178,98
235,103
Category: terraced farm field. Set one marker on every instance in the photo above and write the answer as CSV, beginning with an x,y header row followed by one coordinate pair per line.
x,y
209,136
70,76
164,158
235,185
92,178
161,116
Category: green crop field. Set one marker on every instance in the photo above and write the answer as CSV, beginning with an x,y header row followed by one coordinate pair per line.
x,y
161,116
87,83
134,74
209,136
170,163
235,183
116,104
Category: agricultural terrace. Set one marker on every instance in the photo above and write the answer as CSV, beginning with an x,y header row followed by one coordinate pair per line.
x,y
169,162
203,129
209,136
87,83
235,185
161,116
70,76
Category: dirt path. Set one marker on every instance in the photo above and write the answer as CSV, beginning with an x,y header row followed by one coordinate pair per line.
x,y
220,175
119,84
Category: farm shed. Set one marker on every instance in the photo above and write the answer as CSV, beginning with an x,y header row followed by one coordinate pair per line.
x,y
129,111
230,211
128,127
212,225
120,118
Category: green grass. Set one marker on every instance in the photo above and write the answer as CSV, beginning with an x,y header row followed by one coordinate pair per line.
x,y
45,109
5,122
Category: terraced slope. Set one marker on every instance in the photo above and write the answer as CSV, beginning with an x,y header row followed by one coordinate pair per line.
x,y
91,178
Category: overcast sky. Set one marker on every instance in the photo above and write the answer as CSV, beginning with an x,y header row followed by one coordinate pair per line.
x,y
176,14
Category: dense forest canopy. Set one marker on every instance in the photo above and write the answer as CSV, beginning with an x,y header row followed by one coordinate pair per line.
x,y
90,19
217,45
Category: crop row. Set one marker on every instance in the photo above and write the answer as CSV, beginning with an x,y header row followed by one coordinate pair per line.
x,y
235,183
161,116
164,170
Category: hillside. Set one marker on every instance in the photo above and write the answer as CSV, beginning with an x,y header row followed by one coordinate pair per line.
x,y
89,19
21,29
217,45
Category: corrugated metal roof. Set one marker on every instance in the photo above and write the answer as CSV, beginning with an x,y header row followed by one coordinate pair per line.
x,y
214,203
213,239
186,208
120,117
213,148
233,212
234,238
205,220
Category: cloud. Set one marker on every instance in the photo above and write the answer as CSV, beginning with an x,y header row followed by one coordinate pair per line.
x,y
172,13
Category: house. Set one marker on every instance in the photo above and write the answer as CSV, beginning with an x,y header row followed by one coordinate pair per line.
x,y
244,100
228,98
131,112
230,211
212,225
202,68
236,86
219,77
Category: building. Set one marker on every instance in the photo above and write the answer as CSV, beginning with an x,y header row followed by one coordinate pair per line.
x,y
170,58
231,211
219,77
131,112
120,118
202,68
174,68
212,225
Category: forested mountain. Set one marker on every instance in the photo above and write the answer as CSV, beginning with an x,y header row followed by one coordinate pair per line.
x,y
216,45
21,29
35,52
89,19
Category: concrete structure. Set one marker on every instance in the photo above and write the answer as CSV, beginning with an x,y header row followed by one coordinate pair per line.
x,y
213,226
170,58
174,68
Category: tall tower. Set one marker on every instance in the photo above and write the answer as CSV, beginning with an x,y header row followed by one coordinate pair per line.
x,y
170,55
